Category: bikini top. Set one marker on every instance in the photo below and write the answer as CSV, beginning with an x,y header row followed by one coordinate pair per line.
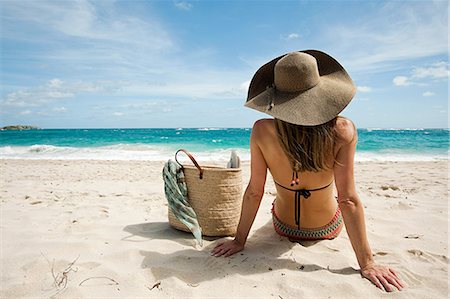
x,y
298,194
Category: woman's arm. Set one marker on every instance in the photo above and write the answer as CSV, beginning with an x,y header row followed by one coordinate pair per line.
x,y
353,214
251,200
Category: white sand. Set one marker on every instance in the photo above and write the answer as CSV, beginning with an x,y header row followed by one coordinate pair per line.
x,y
111,217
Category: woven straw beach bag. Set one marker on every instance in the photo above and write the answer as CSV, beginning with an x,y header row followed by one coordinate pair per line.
x,y
215,194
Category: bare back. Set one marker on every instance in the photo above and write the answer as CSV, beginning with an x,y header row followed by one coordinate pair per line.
x,y
318,209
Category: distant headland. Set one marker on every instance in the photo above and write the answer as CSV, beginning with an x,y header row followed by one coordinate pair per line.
x,y
18,128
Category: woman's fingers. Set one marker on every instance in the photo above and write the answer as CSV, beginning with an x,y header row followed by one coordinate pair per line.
x,y
395,274
217,248
219,252
231,251
221,249
375,280
385,283
383,277
228,248
397,278
401,283
393,280
228,253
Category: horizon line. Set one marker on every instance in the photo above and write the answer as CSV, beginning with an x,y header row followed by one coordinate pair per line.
x,y
212,127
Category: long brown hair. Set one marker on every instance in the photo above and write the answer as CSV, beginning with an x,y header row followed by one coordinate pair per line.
x,y
308,148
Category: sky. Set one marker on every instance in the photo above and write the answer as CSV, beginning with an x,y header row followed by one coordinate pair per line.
x,y
153,64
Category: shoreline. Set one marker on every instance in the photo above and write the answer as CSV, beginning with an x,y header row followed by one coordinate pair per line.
x,y
223,158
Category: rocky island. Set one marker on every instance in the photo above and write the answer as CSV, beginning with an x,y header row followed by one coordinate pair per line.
x,y
18,128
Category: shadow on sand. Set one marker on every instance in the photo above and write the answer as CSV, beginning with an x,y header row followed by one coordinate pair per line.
x,y
190,265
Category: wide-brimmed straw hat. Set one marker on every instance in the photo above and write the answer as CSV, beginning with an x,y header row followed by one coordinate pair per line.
x,y
306,88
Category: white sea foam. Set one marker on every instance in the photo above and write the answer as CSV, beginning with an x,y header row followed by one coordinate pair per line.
x,y
394,129
113,152
210,129
399,156
163,152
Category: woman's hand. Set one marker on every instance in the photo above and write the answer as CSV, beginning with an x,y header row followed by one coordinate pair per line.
x,y
382,276
228,248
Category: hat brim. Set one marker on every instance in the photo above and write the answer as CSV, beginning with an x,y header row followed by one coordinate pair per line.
x,y
314,106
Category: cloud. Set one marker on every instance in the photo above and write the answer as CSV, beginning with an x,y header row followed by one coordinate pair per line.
x,y
55,83
127,50
392,36
33,97
244,86
79,37
83,19
428,94
54,90
135,108
436,71
183,5
140,106
291,36
401,81
201,85
60,109
364,89
25,112
136,56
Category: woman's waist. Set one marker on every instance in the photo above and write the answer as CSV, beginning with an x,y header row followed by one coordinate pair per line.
x,y
314,212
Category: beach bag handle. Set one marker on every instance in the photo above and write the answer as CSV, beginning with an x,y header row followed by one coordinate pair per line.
x,y
193,161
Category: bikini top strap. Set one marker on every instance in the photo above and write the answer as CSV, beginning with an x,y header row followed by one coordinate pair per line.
x,y
296,190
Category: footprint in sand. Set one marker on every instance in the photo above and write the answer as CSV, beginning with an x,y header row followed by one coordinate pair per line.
x,y
92,212
402,206
392,187
429,257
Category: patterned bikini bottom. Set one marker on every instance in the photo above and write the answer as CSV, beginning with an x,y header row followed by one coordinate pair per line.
x,y
329,231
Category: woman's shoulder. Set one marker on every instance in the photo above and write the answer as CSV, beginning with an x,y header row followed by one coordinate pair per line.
x,y
345,130
263,124
263,128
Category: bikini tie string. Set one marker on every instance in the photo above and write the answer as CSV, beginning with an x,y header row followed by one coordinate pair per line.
x,y
298,196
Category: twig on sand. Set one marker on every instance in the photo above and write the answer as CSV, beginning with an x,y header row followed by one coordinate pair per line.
x,y
60,279
156,285
100,277
413,236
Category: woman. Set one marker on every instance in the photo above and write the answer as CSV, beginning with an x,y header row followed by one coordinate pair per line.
x,y
306,147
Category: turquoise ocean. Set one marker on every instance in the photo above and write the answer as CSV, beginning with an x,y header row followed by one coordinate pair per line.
x,y
214,144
